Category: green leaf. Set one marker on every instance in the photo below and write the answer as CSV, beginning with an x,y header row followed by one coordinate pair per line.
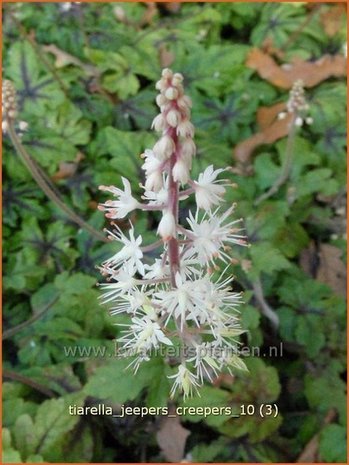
x,y
116,382
25,436
68,123
9,454
325,392
159,386
78,445
36,90
209,397
250,317
318,180
276,23
13,408
125,148
268,220
310,324
267,259
208,452
44,435
333,444
291,239
266,171
124,85
74,284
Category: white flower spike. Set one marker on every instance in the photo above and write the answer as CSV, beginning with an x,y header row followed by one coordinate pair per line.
x,y
173,299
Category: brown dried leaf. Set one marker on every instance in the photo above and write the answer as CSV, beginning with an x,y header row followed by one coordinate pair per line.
x,y
269,48
64,59
332,270
332,19
68,169
270,134
171,438
267,115
311,73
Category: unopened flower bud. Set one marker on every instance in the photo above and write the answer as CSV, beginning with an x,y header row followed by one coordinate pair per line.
x,y
181,171
171,93
166,73
173,118
184,102
188,147
185,129
161,100
154,181
9,106
164,148
161,85
177,79
23,125
167,226
159,123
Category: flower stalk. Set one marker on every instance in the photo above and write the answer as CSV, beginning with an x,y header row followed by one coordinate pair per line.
x,y
176,301
297,107
9,114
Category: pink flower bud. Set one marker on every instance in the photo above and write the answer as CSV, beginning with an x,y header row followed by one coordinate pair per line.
x,y
154,181
171,93
160,85
188,147
181,171
164,148
159,123
166,73
177,79
184,102
173,118
185,129
161,100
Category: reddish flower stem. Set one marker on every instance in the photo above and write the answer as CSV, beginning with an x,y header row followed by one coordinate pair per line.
x,y
173,246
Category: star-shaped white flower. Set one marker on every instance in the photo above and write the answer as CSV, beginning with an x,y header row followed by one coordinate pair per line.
x,y
130,256
144,334
185,381
123,205
181,302
210,234
208,189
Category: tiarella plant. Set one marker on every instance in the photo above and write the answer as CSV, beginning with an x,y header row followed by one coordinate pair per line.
x,y
176,301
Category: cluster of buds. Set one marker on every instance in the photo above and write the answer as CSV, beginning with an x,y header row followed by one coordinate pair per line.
x,y
9,105
297,105
175,300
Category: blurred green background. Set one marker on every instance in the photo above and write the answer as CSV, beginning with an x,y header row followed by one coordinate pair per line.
x,y
85,76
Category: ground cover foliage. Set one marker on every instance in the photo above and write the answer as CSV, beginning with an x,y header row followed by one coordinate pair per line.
x,y
85,77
